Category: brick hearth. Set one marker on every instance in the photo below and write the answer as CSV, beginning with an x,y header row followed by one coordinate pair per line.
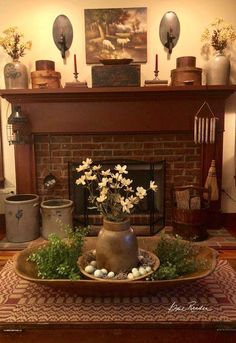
x,y
182,157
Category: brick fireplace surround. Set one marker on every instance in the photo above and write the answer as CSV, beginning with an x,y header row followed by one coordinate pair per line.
x,y
145,123
182,157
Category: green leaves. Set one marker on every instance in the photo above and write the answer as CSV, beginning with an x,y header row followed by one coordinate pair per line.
x,y
177,258
58,259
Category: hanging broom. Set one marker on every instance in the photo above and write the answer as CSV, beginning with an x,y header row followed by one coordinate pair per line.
x,y
211,182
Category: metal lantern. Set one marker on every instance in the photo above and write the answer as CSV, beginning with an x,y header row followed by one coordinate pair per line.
x,y
17,127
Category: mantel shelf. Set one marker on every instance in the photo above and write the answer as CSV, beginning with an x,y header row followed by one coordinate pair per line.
x,y
127,110
15,96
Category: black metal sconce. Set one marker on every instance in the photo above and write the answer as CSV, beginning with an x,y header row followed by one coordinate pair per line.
x,y
169,30
62,34
17,127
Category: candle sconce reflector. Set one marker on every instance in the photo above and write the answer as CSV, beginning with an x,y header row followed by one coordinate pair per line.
x,y
169,30
62,34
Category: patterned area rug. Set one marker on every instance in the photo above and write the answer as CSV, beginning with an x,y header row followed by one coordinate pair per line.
x,y
210,299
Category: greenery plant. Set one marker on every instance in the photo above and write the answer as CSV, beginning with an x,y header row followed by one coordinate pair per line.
x,y
177,258
58,258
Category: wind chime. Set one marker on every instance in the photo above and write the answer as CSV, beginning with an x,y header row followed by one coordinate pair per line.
x,y
204,125
205,132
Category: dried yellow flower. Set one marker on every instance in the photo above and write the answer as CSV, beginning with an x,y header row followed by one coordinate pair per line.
x,y
12,44
219,33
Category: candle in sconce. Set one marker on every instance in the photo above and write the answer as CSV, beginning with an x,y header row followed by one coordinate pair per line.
x,y
75,65
156,65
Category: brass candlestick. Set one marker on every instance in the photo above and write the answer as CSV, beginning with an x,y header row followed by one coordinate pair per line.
x,y
156,74
76,76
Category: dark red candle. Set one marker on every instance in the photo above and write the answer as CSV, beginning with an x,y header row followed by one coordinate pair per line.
x,y
75,64
156,65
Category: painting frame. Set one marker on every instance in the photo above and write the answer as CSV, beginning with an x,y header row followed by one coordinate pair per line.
x,y
116,33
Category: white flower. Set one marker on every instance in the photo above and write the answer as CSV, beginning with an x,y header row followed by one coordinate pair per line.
x,y
126,182
133,200
120,169
85,165
81,180
101,198
97,167
106,172
117,176
81,168
141,192
129,189
126,205
88,161
103,183
153,186
89,175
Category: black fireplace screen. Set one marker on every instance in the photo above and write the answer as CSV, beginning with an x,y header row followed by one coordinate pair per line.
x,y
148,217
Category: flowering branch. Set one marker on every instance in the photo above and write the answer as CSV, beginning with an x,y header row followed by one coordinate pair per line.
x,y
111,193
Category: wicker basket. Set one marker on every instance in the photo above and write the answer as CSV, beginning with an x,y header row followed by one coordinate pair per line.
x,y
191,224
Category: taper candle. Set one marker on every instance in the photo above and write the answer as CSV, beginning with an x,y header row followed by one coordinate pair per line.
x,y
156,65
75,64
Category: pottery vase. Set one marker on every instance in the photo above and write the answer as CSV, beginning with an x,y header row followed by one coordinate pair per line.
x,y
218,70
117,247
15,75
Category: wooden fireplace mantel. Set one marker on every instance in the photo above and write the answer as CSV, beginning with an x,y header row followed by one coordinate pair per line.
x,y
116,110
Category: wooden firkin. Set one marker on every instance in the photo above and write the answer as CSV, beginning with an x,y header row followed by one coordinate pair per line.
x,y
116,75
186,72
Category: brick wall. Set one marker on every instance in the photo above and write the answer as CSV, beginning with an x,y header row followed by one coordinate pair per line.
x,y
181,155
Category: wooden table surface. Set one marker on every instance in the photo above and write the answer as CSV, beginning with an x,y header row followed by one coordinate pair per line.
x,y
161,332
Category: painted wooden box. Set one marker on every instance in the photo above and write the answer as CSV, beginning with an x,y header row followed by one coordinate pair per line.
x,y
116,75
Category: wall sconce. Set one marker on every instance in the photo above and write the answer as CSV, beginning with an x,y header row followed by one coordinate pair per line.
x,y
169,30
17,127
62,34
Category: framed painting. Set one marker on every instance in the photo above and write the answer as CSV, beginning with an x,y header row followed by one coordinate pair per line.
x,y
116,33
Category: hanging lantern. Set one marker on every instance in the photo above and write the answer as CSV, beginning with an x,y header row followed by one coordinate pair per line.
x,y
17,127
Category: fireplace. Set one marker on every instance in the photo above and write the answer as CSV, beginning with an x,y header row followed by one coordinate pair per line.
x,y
149,215
182,163
119,120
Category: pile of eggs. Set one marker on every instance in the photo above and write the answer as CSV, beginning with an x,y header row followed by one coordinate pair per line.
x,y
91,268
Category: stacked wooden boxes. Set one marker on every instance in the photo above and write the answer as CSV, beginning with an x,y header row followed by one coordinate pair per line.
x,y
45,75
186,72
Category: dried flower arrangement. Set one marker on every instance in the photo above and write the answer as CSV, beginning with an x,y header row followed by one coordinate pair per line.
x,y
12,44
111,193
220,34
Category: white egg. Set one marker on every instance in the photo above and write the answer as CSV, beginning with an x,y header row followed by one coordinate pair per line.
x,y
104,271
148,269
110,275
130,276
98,273
135,273
142,271
89,269
93,263
134,270
94,252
